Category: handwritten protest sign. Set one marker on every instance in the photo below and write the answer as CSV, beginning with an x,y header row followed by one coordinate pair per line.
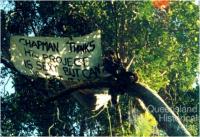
x,y
76,59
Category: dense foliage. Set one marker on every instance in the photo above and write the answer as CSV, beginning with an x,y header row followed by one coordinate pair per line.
x,y
162,42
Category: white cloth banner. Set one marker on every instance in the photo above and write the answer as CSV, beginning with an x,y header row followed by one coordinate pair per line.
x,y
76,59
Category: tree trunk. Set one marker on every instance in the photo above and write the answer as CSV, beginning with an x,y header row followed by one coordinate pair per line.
x,y
161,111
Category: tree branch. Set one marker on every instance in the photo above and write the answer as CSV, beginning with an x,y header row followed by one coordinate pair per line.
x,y
8,64
85,85
130,63
120,118
109,121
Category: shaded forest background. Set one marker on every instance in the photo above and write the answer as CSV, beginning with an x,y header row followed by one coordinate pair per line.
x,y
162,43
